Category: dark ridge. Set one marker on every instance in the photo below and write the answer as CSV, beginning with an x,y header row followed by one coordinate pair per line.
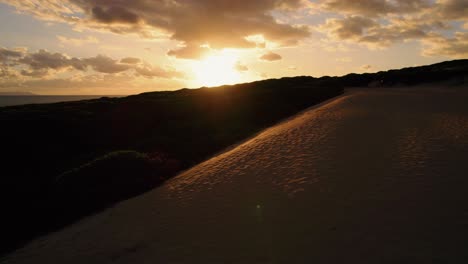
x,y
63,161
451,72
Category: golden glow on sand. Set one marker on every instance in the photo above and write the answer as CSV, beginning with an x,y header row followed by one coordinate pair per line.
x,y
217,69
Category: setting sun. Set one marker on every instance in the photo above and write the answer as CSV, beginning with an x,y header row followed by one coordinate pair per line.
x,y
217,69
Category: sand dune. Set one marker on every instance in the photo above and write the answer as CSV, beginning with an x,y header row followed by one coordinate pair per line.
x,y
374,176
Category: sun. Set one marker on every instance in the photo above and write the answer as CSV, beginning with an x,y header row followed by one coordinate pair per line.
x,y
217,69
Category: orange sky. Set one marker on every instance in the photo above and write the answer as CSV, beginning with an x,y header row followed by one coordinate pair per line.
x,y
127,47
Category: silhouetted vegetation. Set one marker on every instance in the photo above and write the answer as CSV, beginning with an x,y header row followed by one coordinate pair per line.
x,y
63,161
450,72
117,175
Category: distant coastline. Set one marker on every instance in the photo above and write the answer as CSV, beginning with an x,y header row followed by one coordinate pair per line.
x,y
12,99
17,94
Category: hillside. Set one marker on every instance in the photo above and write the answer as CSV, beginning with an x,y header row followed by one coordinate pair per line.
x,y
373,176
65,160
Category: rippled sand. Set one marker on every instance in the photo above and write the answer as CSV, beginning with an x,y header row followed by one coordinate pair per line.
x,y
374,176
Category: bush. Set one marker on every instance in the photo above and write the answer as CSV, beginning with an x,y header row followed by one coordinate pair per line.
x,y
111,178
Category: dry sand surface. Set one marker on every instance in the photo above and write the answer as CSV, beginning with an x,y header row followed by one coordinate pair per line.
x,y
374,176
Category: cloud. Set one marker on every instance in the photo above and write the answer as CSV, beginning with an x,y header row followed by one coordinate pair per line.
x,y
44,63
113,14
241,67
57,73
38,65
38,73
189,52
48,10
202,25
150,71
106,64
270,56
370,8
6,53
349,28
44,60
455,47
453,9
130,60
370,32
7,73
382,23
374,8
217,24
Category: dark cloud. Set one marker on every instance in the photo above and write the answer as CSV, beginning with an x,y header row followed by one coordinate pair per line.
x,y
44,60
440,9
130,60
6,53
453,9
270,56
368,31
349,27
114,14
375,7
106,64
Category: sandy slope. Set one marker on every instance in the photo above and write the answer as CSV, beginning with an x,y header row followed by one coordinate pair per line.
x,y
371,177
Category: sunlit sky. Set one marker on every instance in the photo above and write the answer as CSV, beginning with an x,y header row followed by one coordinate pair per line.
x,y
126,47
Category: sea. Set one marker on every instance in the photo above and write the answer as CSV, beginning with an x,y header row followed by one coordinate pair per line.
x,y
10,100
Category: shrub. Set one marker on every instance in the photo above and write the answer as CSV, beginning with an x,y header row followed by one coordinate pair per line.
x,y
108,179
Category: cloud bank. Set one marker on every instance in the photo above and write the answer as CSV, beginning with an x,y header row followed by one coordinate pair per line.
x,y
43,62
214,23
382,23
219,24
19,66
